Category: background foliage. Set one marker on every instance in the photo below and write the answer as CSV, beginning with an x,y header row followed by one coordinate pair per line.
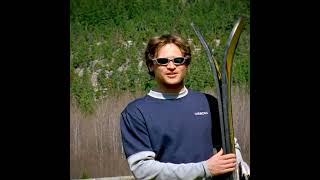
x,y
108,38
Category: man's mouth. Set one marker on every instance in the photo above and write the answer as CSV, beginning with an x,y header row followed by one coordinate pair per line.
x,y
172,75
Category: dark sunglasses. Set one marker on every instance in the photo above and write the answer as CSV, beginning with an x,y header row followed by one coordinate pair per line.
x,y
165,61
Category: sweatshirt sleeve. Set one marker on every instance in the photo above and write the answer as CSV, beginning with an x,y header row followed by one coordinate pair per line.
x,y
143,166
135,136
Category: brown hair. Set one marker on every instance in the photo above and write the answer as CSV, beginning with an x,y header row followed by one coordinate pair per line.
x,y
157,42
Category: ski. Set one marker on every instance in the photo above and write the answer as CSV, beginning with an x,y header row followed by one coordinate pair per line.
x,y
226,88
217,79
227,81
223,83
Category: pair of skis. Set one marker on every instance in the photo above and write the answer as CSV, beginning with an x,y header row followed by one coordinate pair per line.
x,y
222,78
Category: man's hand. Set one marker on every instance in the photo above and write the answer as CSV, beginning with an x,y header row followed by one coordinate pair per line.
x,y
221,163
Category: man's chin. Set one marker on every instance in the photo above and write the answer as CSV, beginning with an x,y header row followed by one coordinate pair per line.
x,y
173,83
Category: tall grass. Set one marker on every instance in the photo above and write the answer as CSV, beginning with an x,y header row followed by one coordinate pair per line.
x,y
95,141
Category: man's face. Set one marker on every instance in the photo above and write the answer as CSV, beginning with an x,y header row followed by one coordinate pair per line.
x,y
170,75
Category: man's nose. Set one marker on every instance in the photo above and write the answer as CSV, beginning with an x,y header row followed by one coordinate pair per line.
x,y
171,65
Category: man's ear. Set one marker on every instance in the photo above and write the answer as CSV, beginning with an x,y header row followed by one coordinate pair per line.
x,y
150,67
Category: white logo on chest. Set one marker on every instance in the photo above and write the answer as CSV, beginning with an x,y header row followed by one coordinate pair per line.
x,y
200,113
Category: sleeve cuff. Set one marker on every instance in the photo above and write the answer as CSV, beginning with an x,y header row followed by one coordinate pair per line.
x,y
206,170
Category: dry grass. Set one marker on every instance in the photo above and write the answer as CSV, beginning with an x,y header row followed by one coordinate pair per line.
x,y
241,119
95,141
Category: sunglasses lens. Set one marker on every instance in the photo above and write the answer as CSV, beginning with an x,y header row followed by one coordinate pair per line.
x,y
165,61
162,60
178,60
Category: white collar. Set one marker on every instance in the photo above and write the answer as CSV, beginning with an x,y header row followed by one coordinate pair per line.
x,y
160,95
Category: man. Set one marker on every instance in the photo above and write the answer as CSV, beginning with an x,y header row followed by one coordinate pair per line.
x,y
169,133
